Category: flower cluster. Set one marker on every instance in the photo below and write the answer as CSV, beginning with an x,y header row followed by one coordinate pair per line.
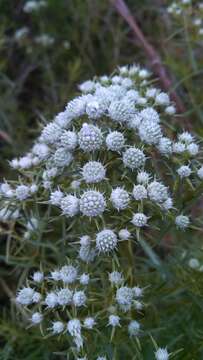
x,y
45,298
109,174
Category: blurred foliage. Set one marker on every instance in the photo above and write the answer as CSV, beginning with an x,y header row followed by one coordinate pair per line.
x,y
36,81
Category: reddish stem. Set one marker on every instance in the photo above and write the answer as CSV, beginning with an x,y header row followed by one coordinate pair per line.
x,y
151,53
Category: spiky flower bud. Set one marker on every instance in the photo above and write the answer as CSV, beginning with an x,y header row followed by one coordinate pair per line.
x,y
157,192
37,318
133,328
51,133
57,327
115,141
90,138
89,323
114,320
124,234
120,198
93,172
139,220
68,140
124,297
161,354
134,158
92,203
150,132
56,197
68,274
64,296
22,192
79,298
38,276
182,222
139,192
106,241
62,157
184,171
51,300
70,205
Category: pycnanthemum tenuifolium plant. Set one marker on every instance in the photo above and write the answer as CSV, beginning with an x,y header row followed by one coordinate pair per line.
x,y
111,179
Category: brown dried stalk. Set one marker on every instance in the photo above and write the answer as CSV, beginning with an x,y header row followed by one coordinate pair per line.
x,y
154,58
4,136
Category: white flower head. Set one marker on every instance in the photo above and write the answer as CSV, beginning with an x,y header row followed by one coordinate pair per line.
x,y
92,203
37,318
41,150
150,132
184,171
79,298
93,172
89,322
90,138
185,138
157,192
64,296
114,320
134,158
77,106
57,327
22,192
133,328
124,297
62,157
170,110
200,172
121,111
149,114
161,354
86,253
194,263
25,296
151,92
56,275
68,274
38,276
137,291
116,278
120,198
179,147
124,234
56,197
69,205
51,300
95,109
84,279
143,177
193,149
51,133
182,222
115,141
106,240
165,146
87,86
69,140
162,99
139,192
139,220
167,204
74,328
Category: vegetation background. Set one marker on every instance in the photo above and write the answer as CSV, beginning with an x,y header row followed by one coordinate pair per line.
x,y
36,80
